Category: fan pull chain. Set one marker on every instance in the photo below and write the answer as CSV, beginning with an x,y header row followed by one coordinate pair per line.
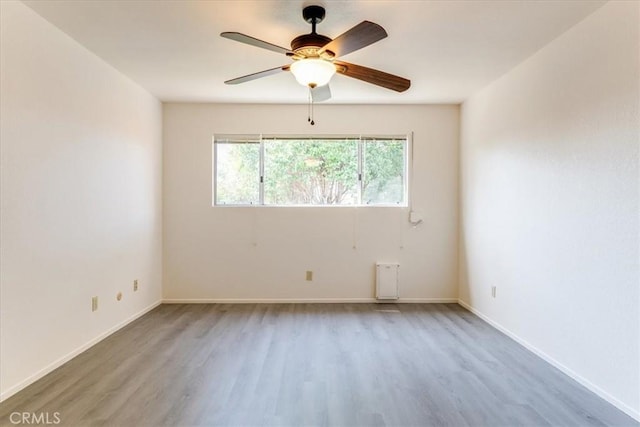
x,y
310,118
309,106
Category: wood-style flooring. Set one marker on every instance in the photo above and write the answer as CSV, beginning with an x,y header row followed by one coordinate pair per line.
x,y
311,365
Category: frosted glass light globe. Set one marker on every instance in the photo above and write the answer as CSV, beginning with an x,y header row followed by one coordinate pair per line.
x,y
313,72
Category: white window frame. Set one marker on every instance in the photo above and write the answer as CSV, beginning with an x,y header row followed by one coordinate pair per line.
x,y
260,139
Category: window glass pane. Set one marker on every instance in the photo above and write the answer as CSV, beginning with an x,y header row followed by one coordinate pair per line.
x,y
310,172
237,173
384,170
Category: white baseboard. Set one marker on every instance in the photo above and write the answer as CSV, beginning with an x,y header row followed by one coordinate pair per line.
x,y
583,381
64,359
428,300
302,300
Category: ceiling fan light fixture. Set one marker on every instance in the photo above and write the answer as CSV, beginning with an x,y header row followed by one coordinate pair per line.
x,y
313,72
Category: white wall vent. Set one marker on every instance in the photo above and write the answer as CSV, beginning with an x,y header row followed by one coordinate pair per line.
x,y
387,281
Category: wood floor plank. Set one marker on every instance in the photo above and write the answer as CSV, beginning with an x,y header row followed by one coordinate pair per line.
x,y
311,365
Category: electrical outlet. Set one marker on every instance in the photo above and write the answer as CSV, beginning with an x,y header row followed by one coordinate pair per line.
x,y
309,276
493,291
94,303
135,285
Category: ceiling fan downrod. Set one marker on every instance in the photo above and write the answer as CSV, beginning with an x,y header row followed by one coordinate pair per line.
x,y
313,15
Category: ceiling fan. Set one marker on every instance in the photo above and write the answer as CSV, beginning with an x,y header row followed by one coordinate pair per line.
x,y
314,57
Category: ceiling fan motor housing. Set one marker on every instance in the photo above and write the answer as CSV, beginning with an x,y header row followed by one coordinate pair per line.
x,y
308,45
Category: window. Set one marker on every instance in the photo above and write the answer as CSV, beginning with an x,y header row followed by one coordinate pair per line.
x,y
237,165
310,171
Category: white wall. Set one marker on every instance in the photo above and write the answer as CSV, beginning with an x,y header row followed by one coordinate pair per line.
x,y
81,197
262,253
549,203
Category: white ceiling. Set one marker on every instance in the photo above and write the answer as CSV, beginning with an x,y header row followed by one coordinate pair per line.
x,y
448,49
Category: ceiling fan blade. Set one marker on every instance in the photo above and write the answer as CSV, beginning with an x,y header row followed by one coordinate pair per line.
x,y
257,75
363,34
376,77
321,93
243,38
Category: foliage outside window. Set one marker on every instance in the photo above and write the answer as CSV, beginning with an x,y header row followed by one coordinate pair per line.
x,y
303,171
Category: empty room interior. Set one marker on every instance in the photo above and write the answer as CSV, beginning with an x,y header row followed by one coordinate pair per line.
x,y
306,213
